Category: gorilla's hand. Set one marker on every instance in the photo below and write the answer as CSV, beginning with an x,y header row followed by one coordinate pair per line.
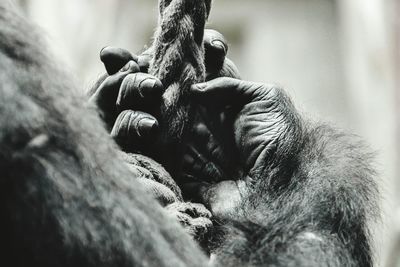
x,y
126,99
129,99
259,125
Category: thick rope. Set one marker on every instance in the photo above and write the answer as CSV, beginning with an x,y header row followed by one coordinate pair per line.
x,y
178,61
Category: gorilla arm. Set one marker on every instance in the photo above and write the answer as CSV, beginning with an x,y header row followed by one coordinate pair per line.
x,y
306,192
302,194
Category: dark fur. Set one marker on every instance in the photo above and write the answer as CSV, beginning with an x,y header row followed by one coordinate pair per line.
x,y
68,200
317,212
310,204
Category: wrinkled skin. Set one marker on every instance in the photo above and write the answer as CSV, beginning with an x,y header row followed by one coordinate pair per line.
x,y
281,190
129,100
239,118
260,121
239,123
69,199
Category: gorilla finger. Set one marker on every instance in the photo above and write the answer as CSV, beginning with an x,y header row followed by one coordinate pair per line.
x,y
229,69
216,49
207,143
115,58
133,129
107,92
223,92
215,40
140,91
96,85
144,60
197,164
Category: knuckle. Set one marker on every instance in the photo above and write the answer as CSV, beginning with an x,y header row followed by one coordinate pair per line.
x,y
108,81
229,69
130,81
130,67
128,90
128,121
213,35
231,82
219,46
97,84
141,83
127,118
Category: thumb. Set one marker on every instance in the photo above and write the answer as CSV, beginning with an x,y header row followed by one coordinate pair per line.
x,y
216,48
134,130
115,58
225,91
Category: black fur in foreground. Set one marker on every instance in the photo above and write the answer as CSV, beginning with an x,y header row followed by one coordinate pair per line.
x,y
67,197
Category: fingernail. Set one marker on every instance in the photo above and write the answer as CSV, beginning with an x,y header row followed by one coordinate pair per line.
x,y
150,87
148,83
200,86
147,127
101,51
219,44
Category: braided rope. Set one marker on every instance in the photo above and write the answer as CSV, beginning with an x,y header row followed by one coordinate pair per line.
x,y
178,61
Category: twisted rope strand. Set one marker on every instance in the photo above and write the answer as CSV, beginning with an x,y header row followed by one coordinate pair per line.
x,y
178,61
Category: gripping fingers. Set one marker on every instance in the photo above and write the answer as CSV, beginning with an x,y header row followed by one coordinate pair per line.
x,y
106,95
222,92
200,166
140,91
216,49
144,60
133,130
115,58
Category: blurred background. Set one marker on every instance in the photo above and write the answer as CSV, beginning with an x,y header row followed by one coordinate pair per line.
x,y
338,59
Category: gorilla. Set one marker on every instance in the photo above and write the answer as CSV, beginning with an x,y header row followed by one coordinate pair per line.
x,y
259,183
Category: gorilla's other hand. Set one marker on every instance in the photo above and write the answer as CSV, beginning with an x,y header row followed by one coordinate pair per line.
x,y
258,125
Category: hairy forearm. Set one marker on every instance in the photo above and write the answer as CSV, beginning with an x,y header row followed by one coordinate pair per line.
x,y
319,199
